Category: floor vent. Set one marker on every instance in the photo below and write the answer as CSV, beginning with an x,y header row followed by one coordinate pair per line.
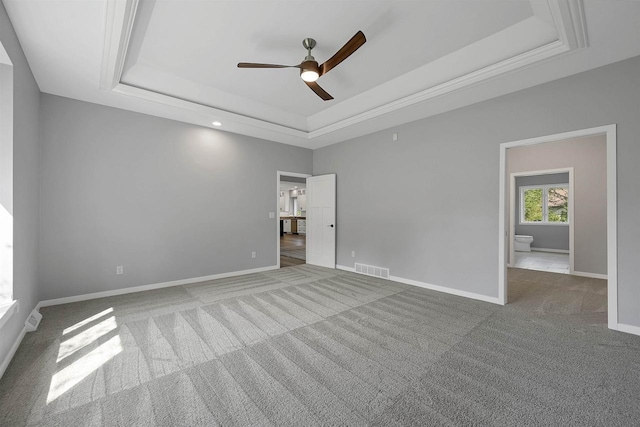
x,y
33,321
372,270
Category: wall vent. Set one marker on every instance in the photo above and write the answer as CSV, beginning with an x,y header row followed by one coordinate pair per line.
x,y
32,322
372,270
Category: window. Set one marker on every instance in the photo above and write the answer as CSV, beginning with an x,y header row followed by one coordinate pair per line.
x,y
544,204
7,304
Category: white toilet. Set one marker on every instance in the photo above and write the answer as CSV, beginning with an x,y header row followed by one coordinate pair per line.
x,y
523,243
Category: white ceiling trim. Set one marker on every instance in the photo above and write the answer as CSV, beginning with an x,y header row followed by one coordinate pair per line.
x,y
119,23
208,113
527,58
568,19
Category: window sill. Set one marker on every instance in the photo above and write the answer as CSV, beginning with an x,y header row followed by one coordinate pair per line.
x,y
566,224
7,310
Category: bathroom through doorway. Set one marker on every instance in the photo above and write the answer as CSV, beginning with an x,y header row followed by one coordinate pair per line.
x,y
541,215
551,186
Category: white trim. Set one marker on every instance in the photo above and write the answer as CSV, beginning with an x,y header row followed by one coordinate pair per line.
x,y
568,19
7,310
554,251
592,275
118,27
553,224
12,352
612,225
446,290
228,117
279,175
123,291
432,287
629,329
514,63
345,268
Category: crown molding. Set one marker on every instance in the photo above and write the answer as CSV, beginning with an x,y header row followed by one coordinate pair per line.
x,y
514,63
570,22
118,27
568,18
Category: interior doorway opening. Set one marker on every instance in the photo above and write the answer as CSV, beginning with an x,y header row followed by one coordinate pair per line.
x,y
291,221
582,267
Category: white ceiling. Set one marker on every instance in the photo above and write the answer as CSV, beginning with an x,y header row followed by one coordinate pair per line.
x,y
177,59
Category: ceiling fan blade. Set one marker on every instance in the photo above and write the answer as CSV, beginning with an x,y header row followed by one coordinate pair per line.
x,y
319,91
345,51
254,65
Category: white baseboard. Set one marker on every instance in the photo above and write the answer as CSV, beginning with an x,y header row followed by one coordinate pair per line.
x,y
635,330
557,251
471,295
12,352
592,275
85,297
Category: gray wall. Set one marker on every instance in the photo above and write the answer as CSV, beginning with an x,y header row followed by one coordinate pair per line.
x,y
544,236
448,233
25,184
164,199
588,158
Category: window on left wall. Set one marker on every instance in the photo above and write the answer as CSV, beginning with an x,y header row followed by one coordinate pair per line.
x,y
7,302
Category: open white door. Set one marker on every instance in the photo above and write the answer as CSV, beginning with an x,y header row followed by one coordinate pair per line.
x,y
321,220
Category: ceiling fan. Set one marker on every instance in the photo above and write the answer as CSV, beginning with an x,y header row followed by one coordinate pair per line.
x,y
310,71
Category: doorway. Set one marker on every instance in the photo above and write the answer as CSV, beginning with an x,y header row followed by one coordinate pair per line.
x,y
291,221
542,213
505,232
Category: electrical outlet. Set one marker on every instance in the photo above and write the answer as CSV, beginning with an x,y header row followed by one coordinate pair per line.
x,y
395,136
272,215
353,254
119,269
253,254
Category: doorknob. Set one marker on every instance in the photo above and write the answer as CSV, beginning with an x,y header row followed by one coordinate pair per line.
x,y
331,225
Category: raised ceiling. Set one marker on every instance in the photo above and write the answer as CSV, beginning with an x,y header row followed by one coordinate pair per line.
x,y
177,59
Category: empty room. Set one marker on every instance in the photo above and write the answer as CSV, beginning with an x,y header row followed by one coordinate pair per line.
x,y
331,213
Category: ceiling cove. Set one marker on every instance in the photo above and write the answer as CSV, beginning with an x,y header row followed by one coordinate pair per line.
x,y
548,29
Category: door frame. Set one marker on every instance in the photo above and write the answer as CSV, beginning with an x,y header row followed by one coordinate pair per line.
x,y
512,210
280,174
612,225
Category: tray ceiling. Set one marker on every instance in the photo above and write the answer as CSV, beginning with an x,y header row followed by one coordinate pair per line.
x,y
177,59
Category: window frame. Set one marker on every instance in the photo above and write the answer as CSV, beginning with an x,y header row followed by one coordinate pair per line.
x,y
545,203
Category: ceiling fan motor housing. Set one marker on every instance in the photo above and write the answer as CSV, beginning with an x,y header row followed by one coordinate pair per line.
x,y
309,65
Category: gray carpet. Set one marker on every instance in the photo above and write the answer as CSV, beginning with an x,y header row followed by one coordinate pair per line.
x,y
307,346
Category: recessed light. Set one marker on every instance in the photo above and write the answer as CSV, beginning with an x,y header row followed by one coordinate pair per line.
x,y
217,123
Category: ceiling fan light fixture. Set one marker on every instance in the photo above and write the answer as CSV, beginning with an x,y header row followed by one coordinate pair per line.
x,y
309,75
309,70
